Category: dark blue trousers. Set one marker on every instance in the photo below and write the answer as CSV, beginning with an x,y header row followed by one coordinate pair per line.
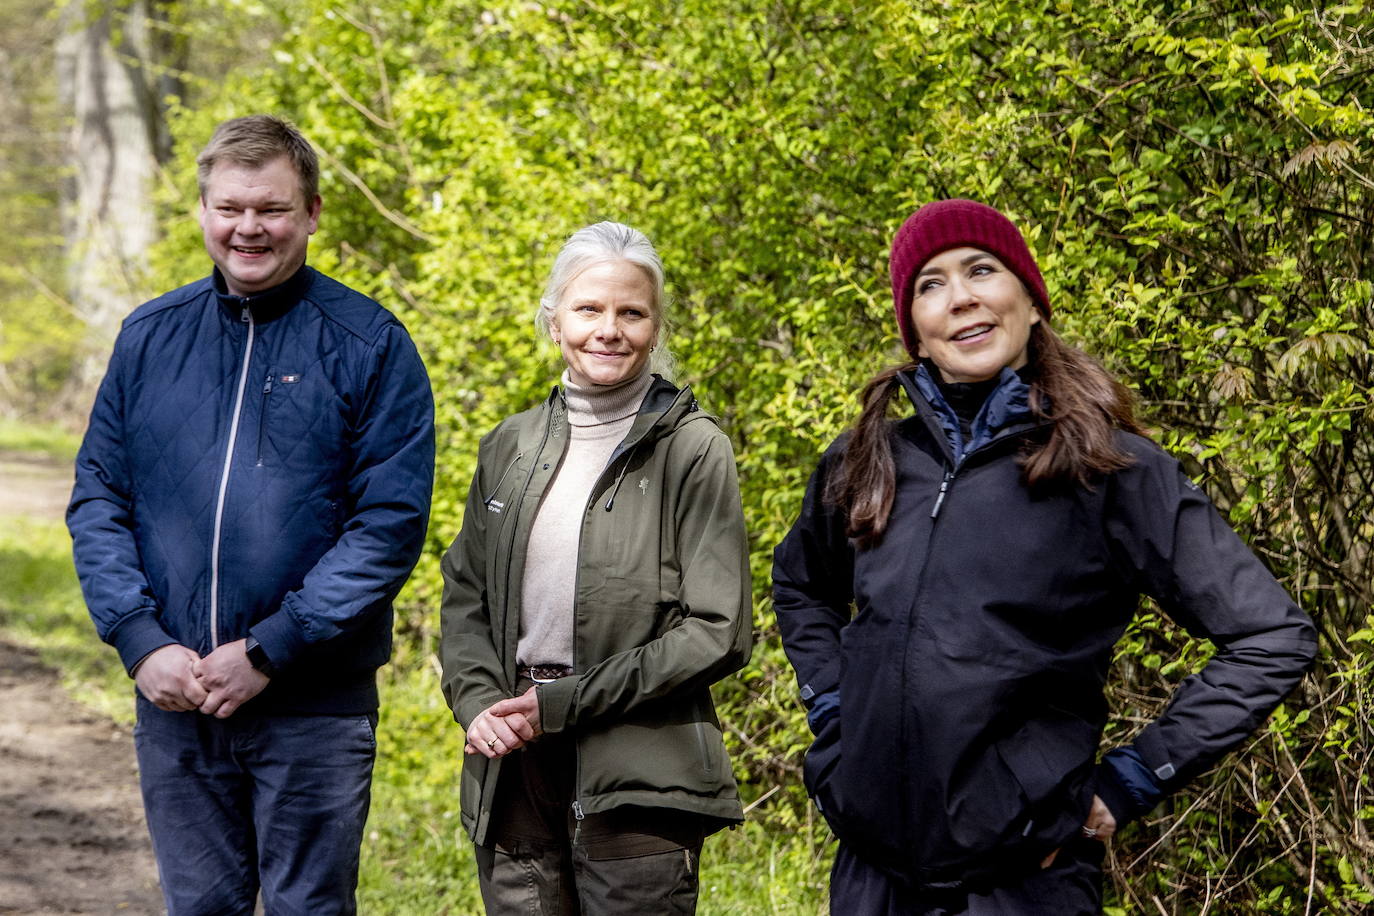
x,y
276,803
1071,886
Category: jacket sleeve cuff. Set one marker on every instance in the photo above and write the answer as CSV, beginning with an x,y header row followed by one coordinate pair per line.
x,y
821,708
555,703
280,637
137,636
1126,786
820,694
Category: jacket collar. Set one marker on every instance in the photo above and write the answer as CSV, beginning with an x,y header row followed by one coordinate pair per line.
x,y
664,407
1006,412
268,304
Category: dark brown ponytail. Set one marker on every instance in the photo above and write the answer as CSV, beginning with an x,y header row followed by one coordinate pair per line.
x,y
867,479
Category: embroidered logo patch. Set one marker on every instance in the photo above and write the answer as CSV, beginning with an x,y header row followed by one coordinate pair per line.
x,y
289,379
644,485
495,505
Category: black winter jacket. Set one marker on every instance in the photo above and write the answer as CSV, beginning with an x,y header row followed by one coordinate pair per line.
x,y
258,465
964,656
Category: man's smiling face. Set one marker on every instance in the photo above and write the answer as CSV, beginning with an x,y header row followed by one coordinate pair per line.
x,y
256,223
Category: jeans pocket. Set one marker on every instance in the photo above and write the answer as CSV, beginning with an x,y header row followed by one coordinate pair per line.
x,y
369,725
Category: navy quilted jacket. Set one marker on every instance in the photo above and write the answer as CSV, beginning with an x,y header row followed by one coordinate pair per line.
x,y
263,465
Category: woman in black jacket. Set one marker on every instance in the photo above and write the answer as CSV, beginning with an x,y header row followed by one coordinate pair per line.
x,y
952,591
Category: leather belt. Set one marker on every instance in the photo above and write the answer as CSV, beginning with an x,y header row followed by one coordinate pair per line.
x,y
543,674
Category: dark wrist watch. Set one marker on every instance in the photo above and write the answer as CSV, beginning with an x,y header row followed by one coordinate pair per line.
x,y
257,656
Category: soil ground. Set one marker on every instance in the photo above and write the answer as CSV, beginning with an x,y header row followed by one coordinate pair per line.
x,y
72,835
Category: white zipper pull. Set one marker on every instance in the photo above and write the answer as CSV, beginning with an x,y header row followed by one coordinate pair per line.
x,y
577,810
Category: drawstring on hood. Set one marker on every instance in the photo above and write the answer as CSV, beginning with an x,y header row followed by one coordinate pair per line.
x,y
619,478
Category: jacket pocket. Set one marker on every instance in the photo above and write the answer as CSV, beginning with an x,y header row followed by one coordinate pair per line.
x,y
1027,790
1050,754
708,766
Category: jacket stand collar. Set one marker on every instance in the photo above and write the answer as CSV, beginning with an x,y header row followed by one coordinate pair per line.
x,y
1006,412
268,304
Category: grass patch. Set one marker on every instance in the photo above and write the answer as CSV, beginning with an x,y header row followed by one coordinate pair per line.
x,y
46,439
41,606
416,857
758,870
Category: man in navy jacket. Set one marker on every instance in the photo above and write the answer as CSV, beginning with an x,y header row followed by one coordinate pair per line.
x,y
251,494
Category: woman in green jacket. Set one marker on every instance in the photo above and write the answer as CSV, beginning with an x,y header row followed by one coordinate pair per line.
x,y
598,587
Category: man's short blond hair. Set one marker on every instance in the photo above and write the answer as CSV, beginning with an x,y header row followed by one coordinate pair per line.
x,y
256,140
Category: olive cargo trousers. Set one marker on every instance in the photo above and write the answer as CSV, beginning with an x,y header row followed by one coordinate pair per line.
x,y
542,859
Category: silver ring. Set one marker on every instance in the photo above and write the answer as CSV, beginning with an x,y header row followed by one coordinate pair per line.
x,y
1090,832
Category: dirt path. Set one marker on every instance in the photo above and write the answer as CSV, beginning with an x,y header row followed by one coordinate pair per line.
x,y
33,486
72,836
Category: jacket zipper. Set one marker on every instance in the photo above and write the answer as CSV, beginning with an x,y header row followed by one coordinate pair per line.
x,y
262,415
247,318
945,482
627,454
950,472
944,488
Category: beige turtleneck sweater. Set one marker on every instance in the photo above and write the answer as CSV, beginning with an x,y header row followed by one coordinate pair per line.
x,y
598,419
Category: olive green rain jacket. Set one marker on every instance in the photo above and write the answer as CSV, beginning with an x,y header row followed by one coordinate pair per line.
x,y
662,607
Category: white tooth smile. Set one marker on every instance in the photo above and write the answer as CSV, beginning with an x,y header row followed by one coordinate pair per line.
x,y
973,332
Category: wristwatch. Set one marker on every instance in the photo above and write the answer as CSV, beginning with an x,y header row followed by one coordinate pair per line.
x,y
257,656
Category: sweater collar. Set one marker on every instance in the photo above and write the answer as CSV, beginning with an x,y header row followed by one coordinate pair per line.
x,y
268,304
596,405
663,409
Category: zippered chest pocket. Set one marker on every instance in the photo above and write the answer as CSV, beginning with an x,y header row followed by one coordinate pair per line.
x,y
300,420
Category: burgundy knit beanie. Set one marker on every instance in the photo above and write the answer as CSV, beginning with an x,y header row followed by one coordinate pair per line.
x,y
946,224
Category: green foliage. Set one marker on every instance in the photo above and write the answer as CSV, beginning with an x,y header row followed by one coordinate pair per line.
x,y
1194,179
416,857
39,338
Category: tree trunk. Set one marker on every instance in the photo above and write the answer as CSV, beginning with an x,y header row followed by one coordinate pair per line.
x,y
107,82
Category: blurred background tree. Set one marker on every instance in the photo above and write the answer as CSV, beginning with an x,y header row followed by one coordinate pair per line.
x,y
38,326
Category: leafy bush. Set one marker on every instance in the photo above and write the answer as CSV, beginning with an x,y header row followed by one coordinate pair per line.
x,y
1193,177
